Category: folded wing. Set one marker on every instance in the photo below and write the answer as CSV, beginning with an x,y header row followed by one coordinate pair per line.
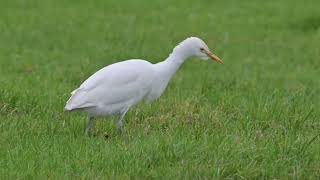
x,y
117,83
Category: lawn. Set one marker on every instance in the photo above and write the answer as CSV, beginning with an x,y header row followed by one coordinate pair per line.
x,y
256,116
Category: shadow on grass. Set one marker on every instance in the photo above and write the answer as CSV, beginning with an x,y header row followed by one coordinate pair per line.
x,y
307,24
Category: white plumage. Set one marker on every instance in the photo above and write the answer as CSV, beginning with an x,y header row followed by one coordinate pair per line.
x,y
117,87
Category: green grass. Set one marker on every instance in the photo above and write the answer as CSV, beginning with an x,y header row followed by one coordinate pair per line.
x,y
256,116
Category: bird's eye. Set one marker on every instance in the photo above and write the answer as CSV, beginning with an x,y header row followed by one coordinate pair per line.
x,y
201,49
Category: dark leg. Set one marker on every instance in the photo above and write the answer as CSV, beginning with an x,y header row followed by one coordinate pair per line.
x,y
89,125
119,124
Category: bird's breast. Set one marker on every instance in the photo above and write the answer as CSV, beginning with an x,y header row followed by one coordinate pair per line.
x,y
158,87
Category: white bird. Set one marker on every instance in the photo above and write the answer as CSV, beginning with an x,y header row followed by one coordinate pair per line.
x,y
114,89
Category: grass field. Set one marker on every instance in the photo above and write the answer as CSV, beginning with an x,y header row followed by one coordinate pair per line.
x,y
256,116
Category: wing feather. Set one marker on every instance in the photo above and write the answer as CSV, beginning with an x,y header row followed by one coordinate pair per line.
x,y
112,84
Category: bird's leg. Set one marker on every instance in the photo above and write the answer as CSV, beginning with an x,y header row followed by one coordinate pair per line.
x,y
119,125
89,125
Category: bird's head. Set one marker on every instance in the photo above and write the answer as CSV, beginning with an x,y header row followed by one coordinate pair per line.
x,y
194,46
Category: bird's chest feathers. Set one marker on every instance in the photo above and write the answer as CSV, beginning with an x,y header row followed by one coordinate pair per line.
x,y
159,86
163,72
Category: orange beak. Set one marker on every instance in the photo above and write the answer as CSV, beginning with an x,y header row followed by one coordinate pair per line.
x,y
213,57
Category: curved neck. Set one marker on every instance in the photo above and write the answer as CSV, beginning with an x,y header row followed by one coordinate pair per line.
x,y
169,66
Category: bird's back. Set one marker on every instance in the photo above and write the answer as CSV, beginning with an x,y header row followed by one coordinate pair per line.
x,y
122,83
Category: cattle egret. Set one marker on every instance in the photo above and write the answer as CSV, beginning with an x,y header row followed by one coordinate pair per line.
x,y
114,89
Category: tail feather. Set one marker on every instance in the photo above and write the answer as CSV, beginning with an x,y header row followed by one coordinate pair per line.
x,y
77,101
